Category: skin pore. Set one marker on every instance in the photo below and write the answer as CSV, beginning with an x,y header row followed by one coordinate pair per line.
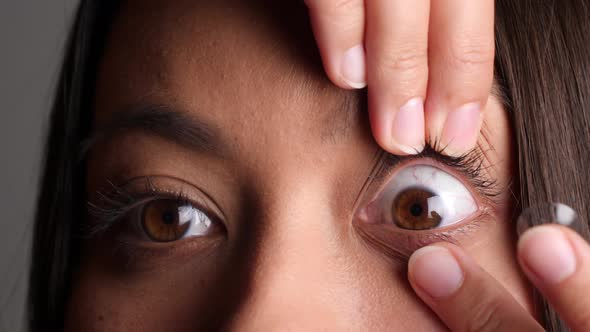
x,y
285,162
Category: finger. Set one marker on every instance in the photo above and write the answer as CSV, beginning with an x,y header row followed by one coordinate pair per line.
x,y
557,261
397,72
339,27
462,294
461,64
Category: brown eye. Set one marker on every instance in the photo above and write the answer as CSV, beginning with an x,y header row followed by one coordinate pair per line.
x,y
167,220
420,197
411,210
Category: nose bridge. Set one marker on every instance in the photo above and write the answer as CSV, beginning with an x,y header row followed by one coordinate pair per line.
x,y
298,270
298,243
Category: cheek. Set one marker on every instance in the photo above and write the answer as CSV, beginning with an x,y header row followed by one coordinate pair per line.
x,y
111,294
495,252
103,304
365,292
387,301
494,245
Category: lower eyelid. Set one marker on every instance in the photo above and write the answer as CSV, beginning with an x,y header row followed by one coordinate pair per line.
x,y
143,256
398,244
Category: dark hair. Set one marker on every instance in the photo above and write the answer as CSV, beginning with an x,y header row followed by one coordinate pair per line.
x,y
59,207
542,73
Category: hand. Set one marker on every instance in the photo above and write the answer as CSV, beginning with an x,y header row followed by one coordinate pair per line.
x,y
428,65
554,258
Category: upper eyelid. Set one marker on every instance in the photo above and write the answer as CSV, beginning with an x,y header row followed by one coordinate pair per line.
x,y
119,201
469,166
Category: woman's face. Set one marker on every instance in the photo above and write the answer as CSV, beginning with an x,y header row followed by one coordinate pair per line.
x,y
233,186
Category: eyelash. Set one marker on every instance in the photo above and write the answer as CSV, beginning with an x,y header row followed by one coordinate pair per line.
x,y
115,204
469,164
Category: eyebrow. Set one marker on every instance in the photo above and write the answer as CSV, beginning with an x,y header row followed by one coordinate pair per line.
x,y
163,121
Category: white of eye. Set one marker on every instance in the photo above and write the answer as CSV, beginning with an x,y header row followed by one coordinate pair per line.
x,y
200,223
451,200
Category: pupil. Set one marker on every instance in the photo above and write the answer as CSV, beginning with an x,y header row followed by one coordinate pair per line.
x,y
410,210
416,210
168,217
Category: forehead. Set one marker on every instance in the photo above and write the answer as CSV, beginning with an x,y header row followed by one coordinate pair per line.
x,y
251,70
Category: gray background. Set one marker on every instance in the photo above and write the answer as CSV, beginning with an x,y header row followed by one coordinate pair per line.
x,y
32,36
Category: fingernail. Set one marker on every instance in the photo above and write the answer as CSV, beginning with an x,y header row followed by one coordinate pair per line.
x,y
353,67
436,271
547,253
461,129
408,127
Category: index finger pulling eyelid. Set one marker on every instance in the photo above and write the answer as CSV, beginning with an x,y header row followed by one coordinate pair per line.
x,y
461,64
397,72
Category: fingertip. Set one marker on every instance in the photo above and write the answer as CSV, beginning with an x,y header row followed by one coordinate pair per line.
x,y
408,126
580,245
345,69
338,27
547,254
389,144
400,132
461,129
436,271
353,67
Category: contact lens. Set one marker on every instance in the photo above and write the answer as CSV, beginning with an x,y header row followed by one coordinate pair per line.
x,y
550,213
